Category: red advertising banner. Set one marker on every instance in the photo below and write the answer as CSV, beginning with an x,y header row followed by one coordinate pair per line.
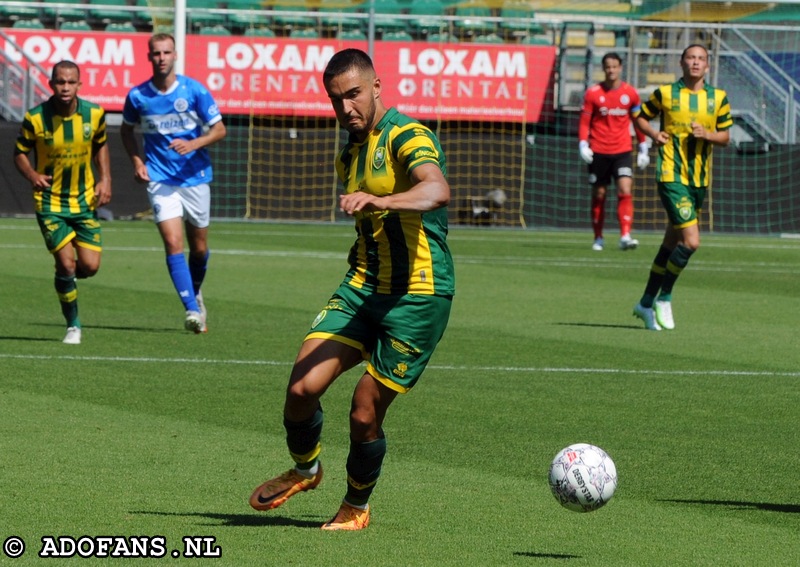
x,y
282,76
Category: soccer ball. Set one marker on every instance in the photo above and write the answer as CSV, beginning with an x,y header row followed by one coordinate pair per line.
x,y
583,477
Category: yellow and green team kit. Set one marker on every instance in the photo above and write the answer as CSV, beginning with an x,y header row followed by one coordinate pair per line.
x,y
396,252
64,147
401,278
686,159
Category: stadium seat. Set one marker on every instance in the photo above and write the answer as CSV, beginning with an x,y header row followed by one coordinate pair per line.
x,y
488,38
518,19
75,25
443,37
537,39
259,32
399,35
57,14
352,34
18,12
256,17
199,14
307,33
291,21
214,30
336,14
29,24
469,19
385,16
120,27
105,12
427,17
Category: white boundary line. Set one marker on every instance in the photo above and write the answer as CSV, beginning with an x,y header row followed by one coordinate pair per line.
x,y
520,369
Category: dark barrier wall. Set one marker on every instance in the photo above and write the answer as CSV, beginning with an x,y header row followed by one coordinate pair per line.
x,y
754,193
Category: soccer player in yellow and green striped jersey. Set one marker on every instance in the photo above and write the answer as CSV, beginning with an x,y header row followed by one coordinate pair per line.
x,y
392,308
67,135
694,117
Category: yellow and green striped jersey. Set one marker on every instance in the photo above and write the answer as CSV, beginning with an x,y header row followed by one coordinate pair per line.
x,y
686,159
396,252
64,148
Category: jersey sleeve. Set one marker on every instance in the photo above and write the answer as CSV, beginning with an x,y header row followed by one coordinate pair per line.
x,y
724,118
207,108
586,117
414,146
130,114
26,139
652,107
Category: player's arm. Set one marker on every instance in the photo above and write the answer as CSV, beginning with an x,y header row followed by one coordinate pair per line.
x,y
102,185
215,133
23,164
718,138
132,148
430,191
584,123
643,124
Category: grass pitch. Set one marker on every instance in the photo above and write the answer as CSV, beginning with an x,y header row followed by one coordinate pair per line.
x,y
148,430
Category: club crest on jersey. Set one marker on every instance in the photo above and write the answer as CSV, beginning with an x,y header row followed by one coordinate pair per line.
x,y
624,99
712,103
87,131
378,158
181,105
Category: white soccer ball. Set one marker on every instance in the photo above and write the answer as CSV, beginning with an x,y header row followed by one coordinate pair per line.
x,y
583,477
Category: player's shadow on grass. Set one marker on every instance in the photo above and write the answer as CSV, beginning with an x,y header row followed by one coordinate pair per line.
x,y
242,520
546,555
784,508
175,329
33,339
601,326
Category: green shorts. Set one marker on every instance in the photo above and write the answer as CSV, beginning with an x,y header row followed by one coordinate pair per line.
x,y
682,202
396,334
58,229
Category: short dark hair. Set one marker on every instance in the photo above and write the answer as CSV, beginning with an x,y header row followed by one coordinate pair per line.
x,y
65,65
347,59
688,47
611,55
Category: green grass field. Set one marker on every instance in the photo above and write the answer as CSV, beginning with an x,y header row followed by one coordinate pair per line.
x,y
147,430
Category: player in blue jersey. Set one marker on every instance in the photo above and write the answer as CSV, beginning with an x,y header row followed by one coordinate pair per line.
x,y
392,308
173,111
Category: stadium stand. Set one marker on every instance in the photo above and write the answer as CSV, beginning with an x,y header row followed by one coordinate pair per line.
x,y
427,18
252,14
29,24
107,11
75,25
57,14
471,19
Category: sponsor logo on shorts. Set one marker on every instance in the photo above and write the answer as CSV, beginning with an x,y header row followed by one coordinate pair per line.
x,y
401,369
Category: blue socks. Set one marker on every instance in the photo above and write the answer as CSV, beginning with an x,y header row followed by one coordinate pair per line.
x,y
182,280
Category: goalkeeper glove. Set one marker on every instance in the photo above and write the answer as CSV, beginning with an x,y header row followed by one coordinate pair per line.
x,y
643,159
587,154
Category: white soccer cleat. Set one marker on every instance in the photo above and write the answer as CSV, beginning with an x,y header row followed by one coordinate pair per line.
x,y
663,310
203,312
73,336
628,243
598,245
194,321
647,315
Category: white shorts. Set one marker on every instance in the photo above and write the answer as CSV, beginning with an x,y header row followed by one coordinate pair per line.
x,y
192,204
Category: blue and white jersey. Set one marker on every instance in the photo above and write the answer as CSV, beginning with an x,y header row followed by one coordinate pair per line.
x,y
181,112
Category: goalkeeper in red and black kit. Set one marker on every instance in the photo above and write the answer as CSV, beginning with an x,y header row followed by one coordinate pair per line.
x,y
605,144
